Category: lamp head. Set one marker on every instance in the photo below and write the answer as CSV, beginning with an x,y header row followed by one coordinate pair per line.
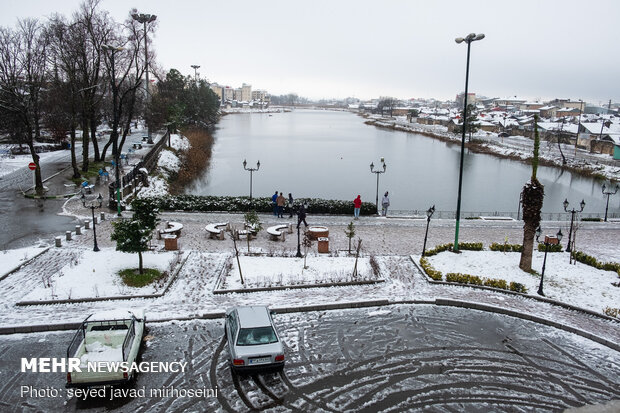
x,y
257,165
430,211
559,235
244,163
372,166
582,204
479,36
604,187
538,232
565,203
459,40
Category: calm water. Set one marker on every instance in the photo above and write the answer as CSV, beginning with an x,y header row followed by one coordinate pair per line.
x,y
327,155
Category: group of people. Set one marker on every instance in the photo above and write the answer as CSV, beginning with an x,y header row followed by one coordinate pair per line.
x,y
357,205
282,204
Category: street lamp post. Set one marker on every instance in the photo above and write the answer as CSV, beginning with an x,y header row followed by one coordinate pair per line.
x,y
572,219
377,172
429,214
472,37
548,241
113,50
95,204
608,193
252,170
195,67
144,19
298,255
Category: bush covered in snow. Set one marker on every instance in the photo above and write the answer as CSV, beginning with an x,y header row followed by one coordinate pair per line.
x,y
262,204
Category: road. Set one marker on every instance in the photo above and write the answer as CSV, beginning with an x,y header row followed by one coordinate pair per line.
x,y
25,221
397,358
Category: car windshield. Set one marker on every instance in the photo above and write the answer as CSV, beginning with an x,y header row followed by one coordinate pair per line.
x,y
256,336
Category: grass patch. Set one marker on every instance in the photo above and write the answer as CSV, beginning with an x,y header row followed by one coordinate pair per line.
x,y
93,172
133,278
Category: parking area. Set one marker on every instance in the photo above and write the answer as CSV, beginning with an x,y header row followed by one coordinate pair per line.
x,y
395,358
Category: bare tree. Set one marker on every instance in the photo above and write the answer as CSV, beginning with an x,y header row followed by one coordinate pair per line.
x,y
22,78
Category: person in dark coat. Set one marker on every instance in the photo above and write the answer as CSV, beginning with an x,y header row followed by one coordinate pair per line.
x,y
291,203
301,215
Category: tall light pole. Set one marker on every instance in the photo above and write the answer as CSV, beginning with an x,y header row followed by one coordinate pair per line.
x,y
113,50
195,67
377,172
429,214
472,37
93,205
144,19
578,125
251,171
608,193
572,218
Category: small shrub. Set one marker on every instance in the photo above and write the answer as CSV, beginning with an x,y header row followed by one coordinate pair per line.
x,y
612,312
496,283
552,248
428,268
133,278
506,247
517,287
593,262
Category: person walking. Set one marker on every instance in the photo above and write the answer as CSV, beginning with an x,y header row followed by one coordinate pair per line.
x,y
357,206
291,203
280,202
385,203
301,215
274,204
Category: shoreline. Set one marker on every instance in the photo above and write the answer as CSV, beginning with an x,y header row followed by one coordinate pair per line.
x,y
479,146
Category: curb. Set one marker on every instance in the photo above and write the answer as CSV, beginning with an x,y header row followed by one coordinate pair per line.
x,y
28,261
111,298
342,306
298,287
532,297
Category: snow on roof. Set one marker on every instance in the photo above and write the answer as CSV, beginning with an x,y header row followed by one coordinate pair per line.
x,y
595,128
557,126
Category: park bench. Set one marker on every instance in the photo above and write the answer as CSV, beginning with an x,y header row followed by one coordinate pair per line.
x,y
217,230
171,228
277,231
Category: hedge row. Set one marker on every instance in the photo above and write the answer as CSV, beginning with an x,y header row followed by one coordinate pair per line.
x,y
263,204
519,248
471,246
488,282
471,279
506,247
584,258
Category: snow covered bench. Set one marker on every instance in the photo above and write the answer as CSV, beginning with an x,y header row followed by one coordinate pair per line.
x,y
217,230
277,231
171,228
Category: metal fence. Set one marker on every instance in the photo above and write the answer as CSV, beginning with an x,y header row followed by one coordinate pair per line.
x,y
499,215
129,179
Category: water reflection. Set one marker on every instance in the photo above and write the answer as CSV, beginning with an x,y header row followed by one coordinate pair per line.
x,y
327,154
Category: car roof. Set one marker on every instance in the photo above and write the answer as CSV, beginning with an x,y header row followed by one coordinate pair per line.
x,y
255,316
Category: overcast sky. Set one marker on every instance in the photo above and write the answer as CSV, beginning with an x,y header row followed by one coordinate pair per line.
x,y
366,49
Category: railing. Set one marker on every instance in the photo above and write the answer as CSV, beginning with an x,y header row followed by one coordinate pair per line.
x,y
545,216
146,162
79,336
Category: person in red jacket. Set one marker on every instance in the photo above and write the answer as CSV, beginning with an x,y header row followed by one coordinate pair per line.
x,y
357,206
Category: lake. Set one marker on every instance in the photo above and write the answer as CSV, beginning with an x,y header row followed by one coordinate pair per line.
x,y
326,154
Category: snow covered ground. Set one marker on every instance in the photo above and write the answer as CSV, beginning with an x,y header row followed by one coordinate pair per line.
x,y
576,284
289,271
90,274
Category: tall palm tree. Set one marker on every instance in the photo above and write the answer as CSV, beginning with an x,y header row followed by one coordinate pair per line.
x,y
533,195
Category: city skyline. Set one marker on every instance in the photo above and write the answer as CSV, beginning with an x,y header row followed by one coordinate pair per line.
x,y
554,49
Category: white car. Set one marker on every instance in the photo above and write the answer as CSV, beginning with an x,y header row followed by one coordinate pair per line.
x,y
109,336
253,342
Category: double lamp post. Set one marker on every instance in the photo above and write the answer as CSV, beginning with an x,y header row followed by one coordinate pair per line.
x,y
377,172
